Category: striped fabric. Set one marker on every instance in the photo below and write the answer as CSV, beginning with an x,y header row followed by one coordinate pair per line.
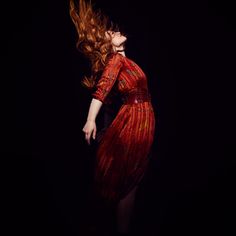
x,y
122,154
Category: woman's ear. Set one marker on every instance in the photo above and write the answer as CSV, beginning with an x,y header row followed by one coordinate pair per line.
x,y
107,35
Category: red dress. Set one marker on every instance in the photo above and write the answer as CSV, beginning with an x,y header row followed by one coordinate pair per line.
x,y
122,154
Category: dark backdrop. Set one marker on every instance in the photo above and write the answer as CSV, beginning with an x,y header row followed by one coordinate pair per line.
x,y
187,50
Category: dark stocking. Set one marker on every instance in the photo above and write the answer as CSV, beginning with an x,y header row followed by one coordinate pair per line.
x,y
124,212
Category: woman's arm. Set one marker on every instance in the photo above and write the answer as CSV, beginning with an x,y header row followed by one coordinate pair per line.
x,y
90,126
103,88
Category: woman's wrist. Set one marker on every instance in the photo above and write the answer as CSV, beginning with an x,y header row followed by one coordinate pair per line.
x,y
90,120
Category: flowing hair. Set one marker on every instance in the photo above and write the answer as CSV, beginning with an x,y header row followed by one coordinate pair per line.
x,y
91,27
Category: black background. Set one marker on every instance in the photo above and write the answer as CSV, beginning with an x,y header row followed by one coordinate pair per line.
x,y
187,50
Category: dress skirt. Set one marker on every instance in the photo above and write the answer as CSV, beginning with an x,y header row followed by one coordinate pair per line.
x,y
123,152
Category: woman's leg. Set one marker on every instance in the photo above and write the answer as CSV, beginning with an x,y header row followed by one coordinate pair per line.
x,y
124,211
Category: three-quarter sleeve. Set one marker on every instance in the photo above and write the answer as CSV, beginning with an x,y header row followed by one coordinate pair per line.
x,y
108,77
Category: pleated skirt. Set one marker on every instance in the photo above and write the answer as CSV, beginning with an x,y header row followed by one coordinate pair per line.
x,y
122,155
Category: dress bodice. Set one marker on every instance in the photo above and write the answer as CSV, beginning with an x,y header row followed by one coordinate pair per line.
x,y
122,75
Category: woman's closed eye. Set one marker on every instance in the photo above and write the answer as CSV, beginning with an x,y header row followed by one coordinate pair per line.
x,y
111,33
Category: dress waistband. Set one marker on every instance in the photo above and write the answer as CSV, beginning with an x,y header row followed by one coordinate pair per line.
x,y
136,96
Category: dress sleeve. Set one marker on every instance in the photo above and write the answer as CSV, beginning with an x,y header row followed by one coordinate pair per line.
x,y
108,77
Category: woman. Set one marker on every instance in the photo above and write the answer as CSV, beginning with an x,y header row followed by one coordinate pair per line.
x,y
122,153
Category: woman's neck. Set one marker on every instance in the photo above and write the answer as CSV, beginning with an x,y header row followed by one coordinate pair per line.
x,y
122,53
120,50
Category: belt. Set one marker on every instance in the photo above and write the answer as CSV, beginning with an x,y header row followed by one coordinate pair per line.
x,y
136,96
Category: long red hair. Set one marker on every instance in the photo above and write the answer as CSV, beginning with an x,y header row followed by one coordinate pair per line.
x,y
92,42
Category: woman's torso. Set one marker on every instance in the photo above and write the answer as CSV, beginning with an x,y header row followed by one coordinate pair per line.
x,y
131,77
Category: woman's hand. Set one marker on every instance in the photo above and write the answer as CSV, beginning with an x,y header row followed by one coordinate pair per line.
x,y
90,128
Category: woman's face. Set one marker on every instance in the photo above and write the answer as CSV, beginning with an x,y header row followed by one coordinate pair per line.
x,y
117,39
